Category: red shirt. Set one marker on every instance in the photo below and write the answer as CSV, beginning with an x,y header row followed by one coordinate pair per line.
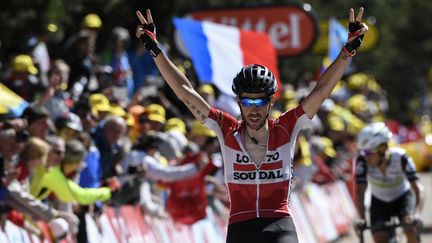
x,y
187,201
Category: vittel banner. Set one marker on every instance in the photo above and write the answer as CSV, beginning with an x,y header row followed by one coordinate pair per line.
x,y
292,29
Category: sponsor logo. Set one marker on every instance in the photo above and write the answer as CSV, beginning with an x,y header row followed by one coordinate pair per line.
x,y
262,175
241,158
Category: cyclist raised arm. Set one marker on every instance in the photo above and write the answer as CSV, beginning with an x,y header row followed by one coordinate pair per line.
x,y
334,72
181,86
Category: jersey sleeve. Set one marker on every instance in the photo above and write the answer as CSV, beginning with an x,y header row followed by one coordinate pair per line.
x,y
293,121
360,170
220,122
408,166
291,117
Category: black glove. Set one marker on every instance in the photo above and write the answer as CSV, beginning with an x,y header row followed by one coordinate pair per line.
x,y
149,39
354,38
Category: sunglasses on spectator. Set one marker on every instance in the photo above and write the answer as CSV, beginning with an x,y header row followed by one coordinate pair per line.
x,y
258,102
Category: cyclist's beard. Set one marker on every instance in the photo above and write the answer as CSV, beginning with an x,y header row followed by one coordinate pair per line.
x,y
262,122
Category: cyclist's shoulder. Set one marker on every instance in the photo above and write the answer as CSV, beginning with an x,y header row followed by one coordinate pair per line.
x,y
397,151
398,154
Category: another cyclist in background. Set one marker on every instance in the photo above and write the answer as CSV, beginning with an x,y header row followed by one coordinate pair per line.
x,y
391,174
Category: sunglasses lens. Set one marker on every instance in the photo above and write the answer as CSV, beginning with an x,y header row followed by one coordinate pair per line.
x,y
369,152
258,102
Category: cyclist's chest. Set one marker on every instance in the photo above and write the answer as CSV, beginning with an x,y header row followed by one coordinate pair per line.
x,y
391,172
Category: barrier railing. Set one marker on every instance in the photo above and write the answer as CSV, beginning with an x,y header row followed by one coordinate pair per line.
x,y
321,214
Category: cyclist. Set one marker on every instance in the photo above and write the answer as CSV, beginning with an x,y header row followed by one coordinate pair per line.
x,y
391,176
257,151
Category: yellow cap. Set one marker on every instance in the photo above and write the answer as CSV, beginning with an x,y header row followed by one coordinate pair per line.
x,y
328,148
175,124
357,103
130,120
199,129
117,110
288,94
92,21
96,99
357,81
156,113
206,89
373,85
51,27
336,123
24,63
99,102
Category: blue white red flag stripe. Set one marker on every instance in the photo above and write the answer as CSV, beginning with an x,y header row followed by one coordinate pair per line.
x,y
218,52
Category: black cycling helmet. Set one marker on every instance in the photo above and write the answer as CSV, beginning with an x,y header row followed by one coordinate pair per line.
x,y
254,78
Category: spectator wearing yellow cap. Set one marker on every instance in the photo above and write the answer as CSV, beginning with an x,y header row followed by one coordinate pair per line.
x,y
323,155
100,105
302,162
204,137
208,93
175,128
359,105
92,21
153,119
23,80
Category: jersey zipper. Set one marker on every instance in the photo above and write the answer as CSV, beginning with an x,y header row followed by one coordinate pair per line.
x,y
257,200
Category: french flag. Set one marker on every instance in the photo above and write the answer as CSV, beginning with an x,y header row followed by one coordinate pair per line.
x,y
218,52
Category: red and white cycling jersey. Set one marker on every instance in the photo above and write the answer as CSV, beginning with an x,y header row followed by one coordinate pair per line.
x,y
261,191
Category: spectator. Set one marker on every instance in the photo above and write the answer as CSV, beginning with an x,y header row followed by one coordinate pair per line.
x,y
82,63
108,139
117,57
23,80
153,119
55,180
143,67
39,122
55,99
69,126
144,161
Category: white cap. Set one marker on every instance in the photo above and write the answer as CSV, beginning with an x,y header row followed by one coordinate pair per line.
x,y
59,227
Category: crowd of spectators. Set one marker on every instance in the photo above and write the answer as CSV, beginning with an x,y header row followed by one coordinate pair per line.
x,y
102,128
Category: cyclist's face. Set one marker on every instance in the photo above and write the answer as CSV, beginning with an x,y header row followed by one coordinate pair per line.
x,y
255,108
374,156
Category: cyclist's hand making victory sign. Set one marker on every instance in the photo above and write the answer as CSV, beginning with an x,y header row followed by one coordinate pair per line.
x,y
334,72
173,76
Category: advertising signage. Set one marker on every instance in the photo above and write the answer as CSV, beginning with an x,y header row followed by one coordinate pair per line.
x,y
292,29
